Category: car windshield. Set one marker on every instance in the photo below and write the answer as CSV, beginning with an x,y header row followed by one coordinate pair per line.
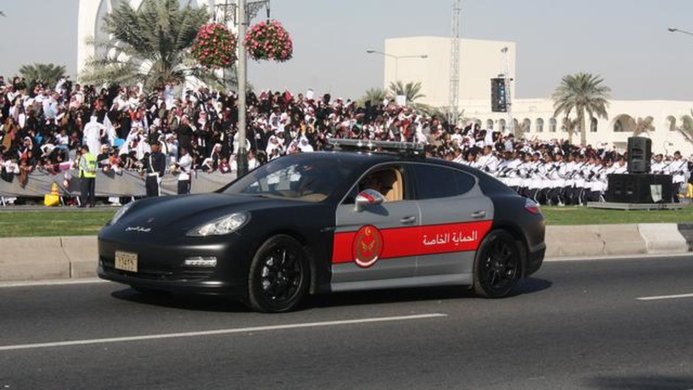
x,y
295,177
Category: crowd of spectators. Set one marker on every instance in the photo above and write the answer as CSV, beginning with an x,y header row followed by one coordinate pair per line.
x,y
43,125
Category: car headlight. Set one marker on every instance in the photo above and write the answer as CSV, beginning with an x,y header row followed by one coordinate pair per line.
x,y
121,211
221,226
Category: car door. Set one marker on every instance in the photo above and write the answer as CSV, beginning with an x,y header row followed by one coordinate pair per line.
x,y
455,217
373,246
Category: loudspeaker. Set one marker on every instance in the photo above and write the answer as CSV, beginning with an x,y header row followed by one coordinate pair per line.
x,y
499,100
635,188
639,154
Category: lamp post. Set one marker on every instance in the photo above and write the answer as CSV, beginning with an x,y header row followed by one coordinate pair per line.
x,y
242,166
242,11
397,58
678,30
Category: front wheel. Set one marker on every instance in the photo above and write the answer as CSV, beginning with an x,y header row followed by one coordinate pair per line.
x,y
497,265
279,275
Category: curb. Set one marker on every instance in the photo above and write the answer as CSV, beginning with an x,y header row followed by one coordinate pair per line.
x,y
42,258
39,258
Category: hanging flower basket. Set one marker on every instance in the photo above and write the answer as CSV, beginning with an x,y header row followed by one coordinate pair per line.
x,y
269,41
214,46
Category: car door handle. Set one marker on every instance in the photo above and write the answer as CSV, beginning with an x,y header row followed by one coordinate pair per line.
x,y
408,220
478,214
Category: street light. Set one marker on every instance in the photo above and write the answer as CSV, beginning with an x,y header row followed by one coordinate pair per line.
x,y
674,29
397,58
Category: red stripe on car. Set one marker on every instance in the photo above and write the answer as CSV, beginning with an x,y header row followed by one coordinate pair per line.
x,y
417,240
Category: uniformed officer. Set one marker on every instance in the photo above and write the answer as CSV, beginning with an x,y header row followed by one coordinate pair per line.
x,y
155,168
185,165
524,172
87,177
557,182
678,170
514,179
658,166
487,162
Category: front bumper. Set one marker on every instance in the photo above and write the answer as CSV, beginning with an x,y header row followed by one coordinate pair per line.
x,y
161,264
182,286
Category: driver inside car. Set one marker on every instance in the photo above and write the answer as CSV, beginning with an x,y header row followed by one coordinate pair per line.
x,y
375,182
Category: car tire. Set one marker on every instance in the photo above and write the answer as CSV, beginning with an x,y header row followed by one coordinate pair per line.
x,y
279,275
497,265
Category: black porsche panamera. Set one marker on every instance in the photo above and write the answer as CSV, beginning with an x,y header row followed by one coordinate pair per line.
x,y
329,221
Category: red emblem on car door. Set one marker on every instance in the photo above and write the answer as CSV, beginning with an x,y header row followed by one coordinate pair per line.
x,y
368,245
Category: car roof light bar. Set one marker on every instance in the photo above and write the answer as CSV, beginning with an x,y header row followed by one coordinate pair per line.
x,y
385,146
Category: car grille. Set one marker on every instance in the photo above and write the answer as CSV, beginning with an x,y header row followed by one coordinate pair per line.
x,y
176,273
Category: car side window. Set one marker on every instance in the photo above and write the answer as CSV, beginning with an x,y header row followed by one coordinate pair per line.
x,y
387,181
434,182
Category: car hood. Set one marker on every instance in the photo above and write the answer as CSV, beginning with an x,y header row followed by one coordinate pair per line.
x,y
182,213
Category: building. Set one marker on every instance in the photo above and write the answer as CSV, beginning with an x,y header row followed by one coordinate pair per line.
x,y
91,13
481,60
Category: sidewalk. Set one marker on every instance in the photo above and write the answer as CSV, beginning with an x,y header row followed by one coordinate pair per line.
x,y
42,258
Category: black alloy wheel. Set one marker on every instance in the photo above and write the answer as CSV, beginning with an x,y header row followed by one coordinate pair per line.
x,y
497,265
279,275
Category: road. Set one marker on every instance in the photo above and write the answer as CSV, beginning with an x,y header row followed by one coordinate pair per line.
x,y
576,324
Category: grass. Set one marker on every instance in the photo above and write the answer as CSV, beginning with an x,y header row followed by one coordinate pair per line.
x,y
52,222
584,216
62,222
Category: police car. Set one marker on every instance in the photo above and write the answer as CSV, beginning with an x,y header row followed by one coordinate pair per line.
x,y
366,215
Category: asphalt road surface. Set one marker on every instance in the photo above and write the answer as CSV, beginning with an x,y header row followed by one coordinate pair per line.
x,y
573,325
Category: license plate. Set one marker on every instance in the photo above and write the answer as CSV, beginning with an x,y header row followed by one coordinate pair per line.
x,y
126,261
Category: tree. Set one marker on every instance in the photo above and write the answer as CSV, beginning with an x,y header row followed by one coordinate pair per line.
x,y
150,45
643,126
578,93
48,74
569,125
411,90
441,113
375,95
686,128
521,128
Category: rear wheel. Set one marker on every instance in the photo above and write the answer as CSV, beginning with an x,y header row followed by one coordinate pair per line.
x,y
497,265
279,275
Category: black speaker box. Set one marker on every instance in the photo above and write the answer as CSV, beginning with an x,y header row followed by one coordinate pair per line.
x,y
635,188
639,154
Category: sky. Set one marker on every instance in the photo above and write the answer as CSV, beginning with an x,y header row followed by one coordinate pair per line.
x,y
625,41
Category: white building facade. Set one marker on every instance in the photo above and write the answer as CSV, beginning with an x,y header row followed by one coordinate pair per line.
x,y
482,60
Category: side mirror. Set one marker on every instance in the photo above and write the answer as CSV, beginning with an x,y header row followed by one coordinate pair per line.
x,y
368,198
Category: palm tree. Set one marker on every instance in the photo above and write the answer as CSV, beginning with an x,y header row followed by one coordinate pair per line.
x,y
578,93
521,128
686,127
150,45
569,125
43,73
441,113
374,95
411,90
644,126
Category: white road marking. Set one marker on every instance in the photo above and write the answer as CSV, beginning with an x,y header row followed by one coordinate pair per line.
x,y
58,282
656,298
641,256
219,332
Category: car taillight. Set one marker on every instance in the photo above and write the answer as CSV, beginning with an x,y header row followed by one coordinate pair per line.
x,y
532,207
